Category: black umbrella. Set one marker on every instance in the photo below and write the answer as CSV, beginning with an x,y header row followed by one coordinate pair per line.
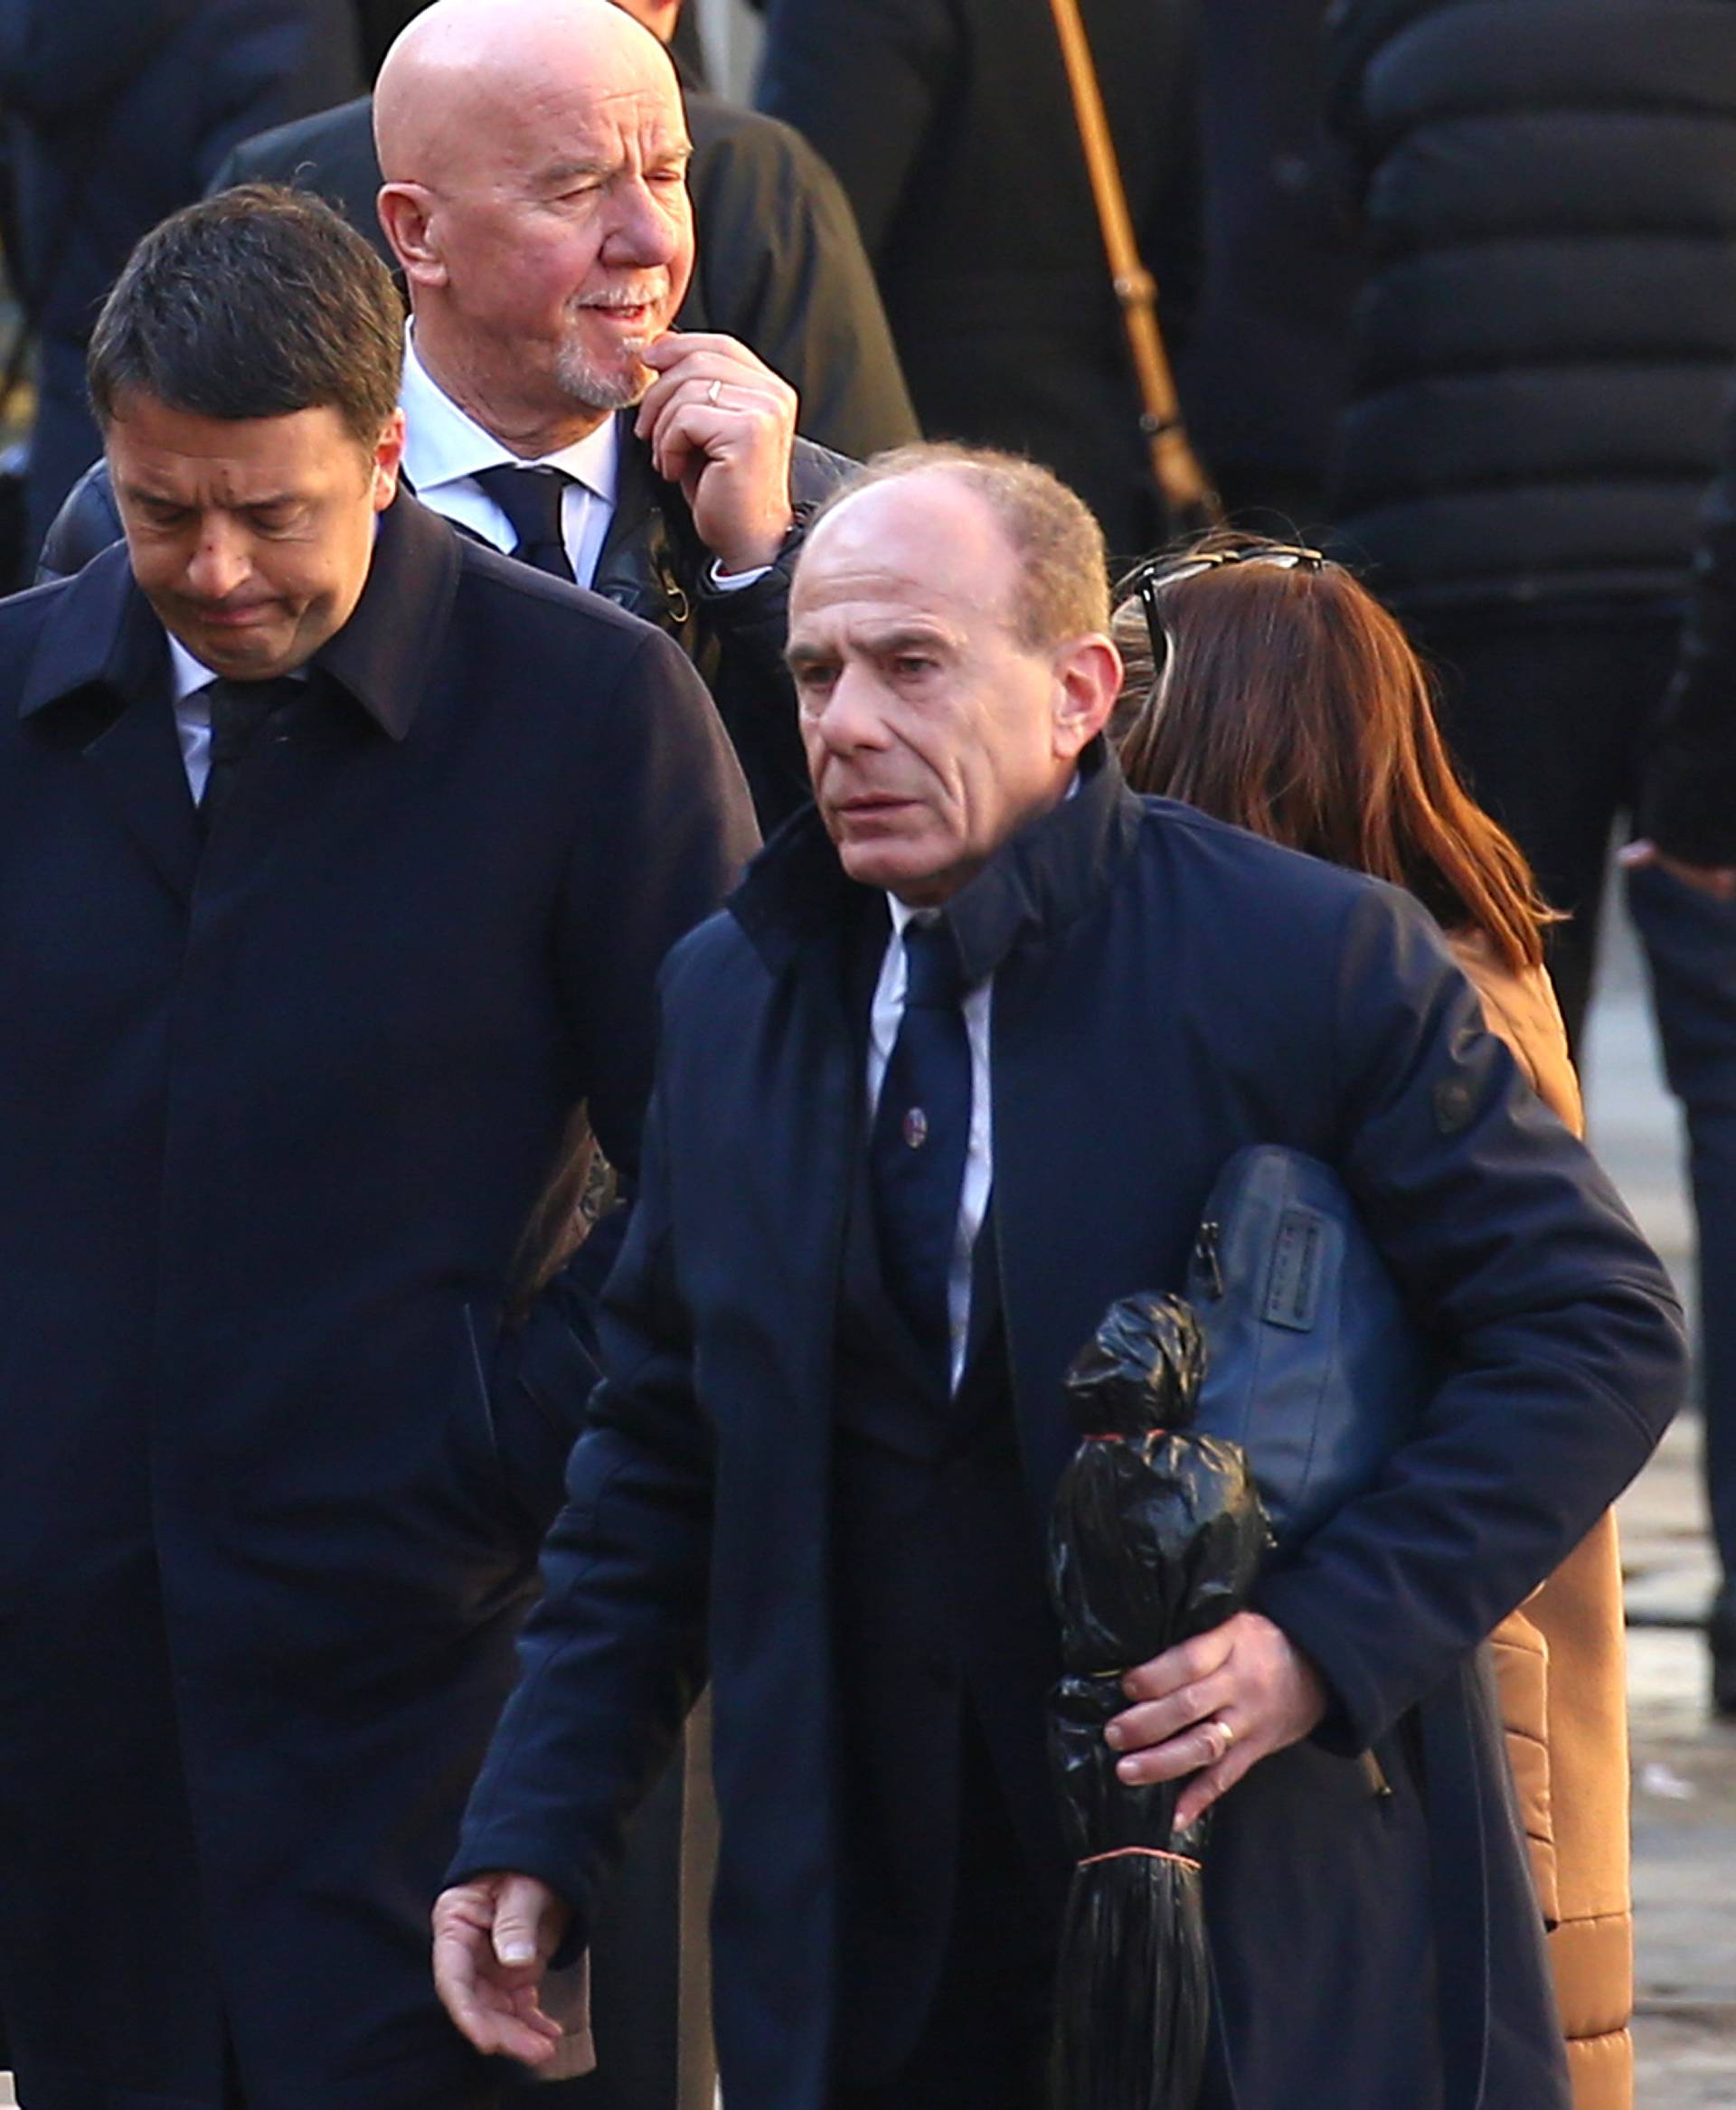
x,y
1156,1535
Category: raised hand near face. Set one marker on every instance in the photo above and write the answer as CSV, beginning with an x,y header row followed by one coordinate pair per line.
x,y
720,424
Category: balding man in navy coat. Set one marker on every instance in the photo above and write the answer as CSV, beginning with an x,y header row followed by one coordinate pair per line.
x,y
832,1416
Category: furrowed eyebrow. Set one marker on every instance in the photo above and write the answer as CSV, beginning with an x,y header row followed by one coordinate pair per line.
x,y
140,494
920,639
564,171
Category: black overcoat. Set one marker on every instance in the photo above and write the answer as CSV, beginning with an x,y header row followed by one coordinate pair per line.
x,y
949,124
1167,989
274,1115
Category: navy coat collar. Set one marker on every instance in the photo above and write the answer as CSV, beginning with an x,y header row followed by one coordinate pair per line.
x,y
796,890
102,632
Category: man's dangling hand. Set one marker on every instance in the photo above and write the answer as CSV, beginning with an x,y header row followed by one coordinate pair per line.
x,y
492,1938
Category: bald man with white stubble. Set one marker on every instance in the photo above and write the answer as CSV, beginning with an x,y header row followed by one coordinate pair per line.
x,y
534,157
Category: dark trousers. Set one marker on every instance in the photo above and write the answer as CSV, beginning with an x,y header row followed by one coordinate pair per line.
x,y
1690,942
985,2042
1548,720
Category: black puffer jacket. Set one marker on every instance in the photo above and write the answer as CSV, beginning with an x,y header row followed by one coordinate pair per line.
x,y
1545,340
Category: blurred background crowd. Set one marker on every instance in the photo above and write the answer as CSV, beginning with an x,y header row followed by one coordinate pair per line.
x,y
1448,287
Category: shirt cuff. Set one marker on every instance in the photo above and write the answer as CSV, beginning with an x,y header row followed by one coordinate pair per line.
x,y
721,581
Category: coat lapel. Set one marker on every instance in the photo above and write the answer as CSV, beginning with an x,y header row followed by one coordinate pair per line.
x,y
137,762
99,680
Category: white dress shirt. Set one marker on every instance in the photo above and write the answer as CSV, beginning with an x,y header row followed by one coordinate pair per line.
x,y
444,446
884,1019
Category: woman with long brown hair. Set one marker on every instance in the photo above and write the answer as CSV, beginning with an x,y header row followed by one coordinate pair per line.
x,y
1267,686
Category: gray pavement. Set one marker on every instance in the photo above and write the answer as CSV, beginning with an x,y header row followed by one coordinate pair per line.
x,y
1684,1764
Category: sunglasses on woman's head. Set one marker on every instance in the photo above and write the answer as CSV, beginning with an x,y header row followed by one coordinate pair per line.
x,y
1150,578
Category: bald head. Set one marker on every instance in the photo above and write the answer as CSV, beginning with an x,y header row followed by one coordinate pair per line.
x,y
535,154
456,66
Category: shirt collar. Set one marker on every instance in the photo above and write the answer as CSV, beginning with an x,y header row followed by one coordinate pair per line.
x,y
188,675
445,445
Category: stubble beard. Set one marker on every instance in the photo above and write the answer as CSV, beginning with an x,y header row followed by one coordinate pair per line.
x,y
593,387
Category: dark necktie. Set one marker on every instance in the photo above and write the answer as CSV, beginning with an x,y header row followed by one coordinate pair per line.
x,y
531,500
239,712
921,1136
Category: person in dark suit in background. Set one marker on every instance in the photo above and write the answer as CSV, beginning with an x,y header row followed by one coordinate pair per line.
x,y
378,22
338,854
1543,356
959,1066
950,126
1267,355
119,111
1682,882
778,262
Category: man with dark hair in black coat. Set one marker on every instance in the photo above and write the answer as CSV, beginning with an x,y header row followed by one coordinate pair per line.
x,y
949,124
338,855
120,110
1549,192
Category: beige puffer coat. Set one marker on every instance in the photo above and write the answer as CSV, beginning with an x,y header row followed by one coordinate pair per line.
x,y
1559,1665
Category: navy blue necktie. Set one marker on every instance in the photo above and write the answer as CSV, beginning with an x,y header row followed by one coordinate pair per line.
x,y
240,712
921,1136
531,500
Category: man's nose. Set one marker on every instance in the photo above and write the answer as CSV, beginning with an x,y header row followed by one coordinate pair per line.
x,y
647,228
220,562
853,716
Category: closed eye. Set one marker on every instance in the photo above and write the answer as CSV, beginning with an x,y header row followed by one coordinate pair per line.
x,y
159,513
274,520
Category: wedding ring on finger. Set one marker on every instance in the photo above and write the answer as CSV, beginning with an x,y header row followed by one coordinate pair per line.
x,y
1223,1738
713,393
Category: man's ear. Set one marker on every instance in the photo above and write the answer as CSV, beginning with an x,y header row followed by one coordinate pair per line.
x,y
1087,680
405,212
388,458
